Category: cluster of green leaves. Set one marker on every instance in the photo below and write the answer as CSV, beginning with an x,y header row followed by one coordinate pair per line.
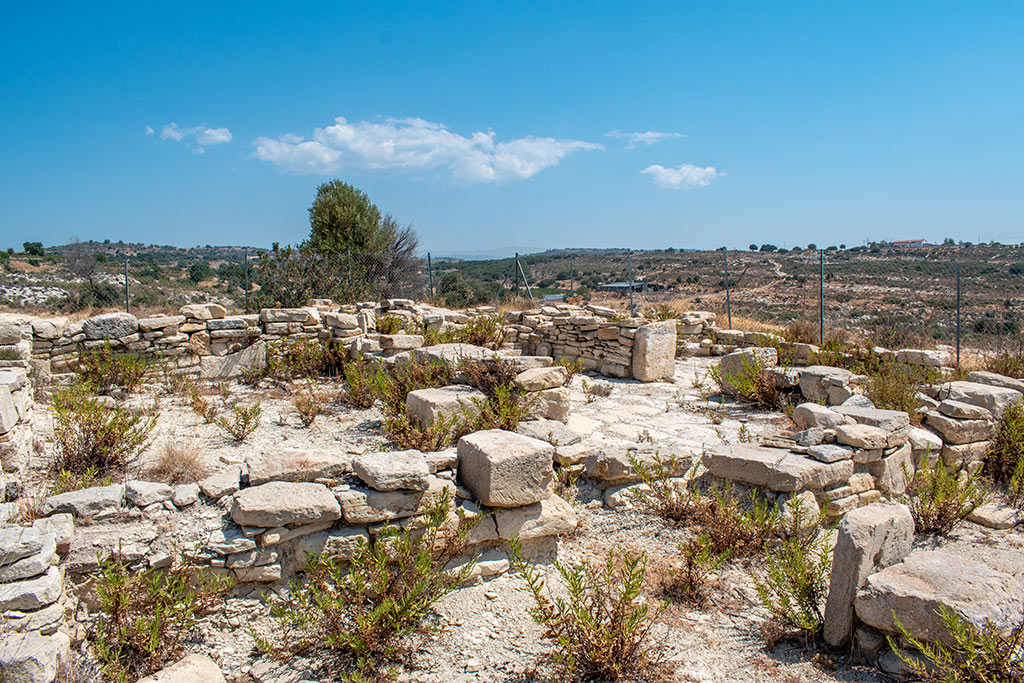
x,y
895,386
305,359
103,370
601,629
1005,462
752,382
940,499
977,655
1008,363
70,481
355,618
144,618
241,422
310,403
796,579
87,434
689,583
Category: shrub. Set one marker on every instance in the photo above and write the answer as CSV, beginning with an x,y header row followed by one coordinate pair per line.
x,y
104,371
302,359
602,389
488,376
752,383
940,499
895,386
1005,462
178,462
87,434
70,481
439,434
572,368
505,409
356,618
982,655
145,617
360,384
689,583
602,628
391,324
483,330
796,580
244,421
802,332
309,403
1007,363
392,386
203,406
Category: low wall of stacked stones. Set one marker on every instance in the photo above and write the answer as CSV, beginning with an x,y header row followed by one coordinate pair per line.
x,y
202,340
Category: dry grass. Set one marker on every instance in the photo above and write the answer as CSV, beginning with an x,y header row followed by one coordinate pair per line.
x,y
179,461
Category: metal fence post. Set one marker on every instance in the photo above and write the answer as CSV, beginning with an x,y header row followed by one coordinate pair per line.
x,y
245,256
127,302
629,271
572,289
958,315
515,274
728,298
821,297
430,276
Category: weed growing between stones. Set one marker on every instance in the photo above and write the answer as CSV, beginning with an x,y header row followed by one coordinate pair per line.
x,y
1009,363
310,403
178,462
355,619
753,382
978,655
895,386
243,421
689,583
104,371
88,434
1005,462
203,406
69,481
360,384
602,629
145,617
437,435
572,368
940,499
487,331
796,579
596,390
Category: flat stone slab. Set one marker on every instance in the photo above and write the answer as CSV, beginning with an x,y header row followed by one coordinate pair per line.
x,y
916,587
391,471
86,502
30,594
550,517
808,415
32,565
538,379
886,420
552,431
280,503
192,669
774,469
995,399
296,464
17,542
424,406
368,507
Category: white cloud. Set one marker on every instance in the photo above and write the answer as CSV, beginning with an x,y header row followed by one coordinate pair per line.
x,y
413,144
647,138
201,135
149,130
683,177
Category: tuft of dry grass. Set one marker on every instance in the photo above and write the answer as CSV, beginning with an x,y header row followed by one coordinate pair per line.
x,y
178,462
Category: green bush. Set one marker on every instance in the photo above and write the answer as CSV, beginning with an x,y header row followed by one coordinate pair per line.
x,y
144,618
689,583
753,382
104,371
1005,462
796,578
483,330
355,619
983,655
89,435
243,421
895,386
940,499
601,630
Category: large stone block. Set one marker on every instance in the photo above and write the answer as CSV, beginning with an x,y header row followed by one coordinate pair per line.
x,y
869,539
775,469
549,517
252,357
913,590
995,399
17,542
340,545
424,406
959,431
996,380
31,657
280,503
368,507
391,471
504,469
88,502
743,364
32,565
194,668
297,464
30,594
654,351
813,378
886,420
808,415
110,326
401,342
538,379
203,311
550,404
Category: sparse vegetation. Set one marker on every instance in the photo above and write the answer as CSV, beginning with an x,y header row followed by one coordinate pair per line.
x,y
483,330
753,382
310,403
895,386
88,434
689,582
103,370
602,629
940,498
242,422
1005,462
977,655
179,461
354,618
145,618
596,390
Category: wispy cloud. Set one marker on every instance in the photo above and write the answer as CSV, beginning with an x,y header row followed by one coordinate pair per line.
x,y
682,177
201,136
651,137
413,144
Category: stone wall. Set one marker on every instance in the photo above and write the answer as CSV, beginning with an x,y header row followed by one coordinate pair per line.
x,y
16,407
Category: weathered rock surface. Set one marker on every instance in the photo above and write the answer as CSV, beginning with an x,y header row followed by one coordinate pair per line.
x,y
552,431
280,503
17,542
914,589
143,493
30,594
886,420
253,357
505,469
869,538
812,381
368,507
808,415
744,364
549,517
861,436
996,380
654,351
296,464
390,471
424,406
959,431
31,565
194,668
550,404
339,544
774,469
110,326
538,379
88,502
222,483
995,399
30,657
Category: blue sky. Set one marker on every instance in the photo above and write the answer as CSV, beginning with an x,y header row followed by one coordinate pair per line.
x,y
487,125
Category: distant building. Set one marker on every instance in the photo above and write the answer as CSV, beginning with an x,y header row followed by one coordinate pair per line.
x,y
623,287
906,244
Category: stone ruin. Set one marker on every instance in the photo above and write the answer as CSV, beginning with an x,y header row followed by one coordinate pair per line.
x,y
256,519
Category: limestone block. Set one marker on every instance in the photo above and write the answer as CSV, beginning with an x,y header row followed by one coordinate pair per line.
x,y
296,464
368,507
550,404
110,326
505,469
538,379
813,415
194,668
88,502
424,406
654,352
253,357
279,503
742,362
203,311
391,471
774,469
549,517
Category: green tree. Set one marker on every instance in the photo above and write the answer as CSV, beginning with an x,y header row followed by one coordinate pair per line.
x,y
343,219
33,248
199,271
